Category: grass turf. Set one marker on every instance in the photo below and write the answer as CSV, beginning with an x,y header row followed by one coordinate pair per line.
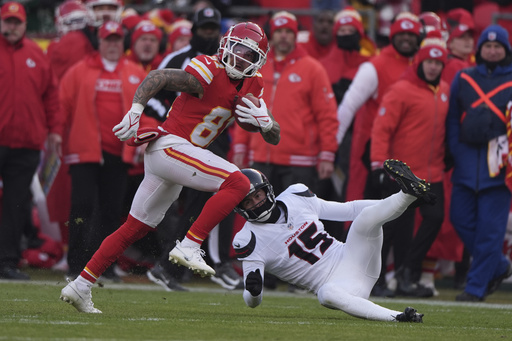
x,y
32,311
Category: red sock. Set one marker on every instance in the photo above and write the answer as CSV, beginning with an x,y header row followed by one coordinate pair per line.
x,y
219,206
113,246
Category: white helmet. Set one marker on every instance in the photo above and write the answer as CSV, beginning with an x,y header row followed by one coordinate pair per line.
x,y
97,17
244,42
70,16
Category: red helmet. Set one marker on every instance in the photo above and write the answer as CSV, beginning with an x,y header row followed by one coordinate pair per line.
x,y
432,22
243,43
97,17
70,16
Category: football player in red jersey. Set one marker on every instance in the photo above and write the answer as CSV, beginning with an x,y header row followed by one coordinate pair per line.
x,y
176,157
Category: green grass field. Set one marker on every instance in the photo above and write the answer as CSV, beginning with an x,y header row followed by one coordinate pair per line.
x,y
143,311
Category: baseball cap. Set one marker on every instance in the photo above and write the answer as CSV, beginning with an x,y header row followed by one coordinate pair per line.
x,y
207,15
13,10
284,19
110,28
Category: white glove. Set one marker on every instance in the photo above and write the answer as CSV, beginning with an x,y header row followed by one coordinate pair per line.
x,y
130,123
253,115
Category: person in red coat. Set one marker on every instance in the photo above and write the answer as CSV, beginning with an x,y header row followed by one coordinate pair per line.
x,y
319,41
353,47
460,44
29,118
412,117
370,83
145,44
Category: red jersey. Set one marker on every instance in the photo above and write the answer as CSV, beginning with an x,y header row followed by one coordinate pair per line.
x,y
200,121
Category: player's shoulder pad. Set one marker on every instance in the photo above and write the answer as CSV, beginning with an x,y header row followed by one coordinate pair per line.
x,y
244,243
205,66
301,190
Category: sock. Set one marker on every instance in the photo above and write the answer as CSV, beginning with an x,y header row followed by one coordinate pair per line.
x,y
186,242
232,191
83,284
113,246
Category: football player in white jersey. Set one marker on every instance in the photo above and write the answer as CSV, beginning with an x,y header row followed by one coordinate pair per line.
x,y
285,237
176,155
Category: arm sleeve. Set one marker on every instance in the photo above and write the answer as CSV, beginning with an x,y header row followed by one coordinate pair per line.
x,y
363,86
248,266
347,211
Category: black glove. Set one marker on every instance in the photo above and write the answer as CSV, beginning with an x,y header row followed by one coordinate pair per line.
x,y
254,283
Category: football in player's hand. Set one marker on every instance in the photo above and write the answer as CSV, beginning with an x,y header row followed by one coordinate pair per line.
x,y
238,101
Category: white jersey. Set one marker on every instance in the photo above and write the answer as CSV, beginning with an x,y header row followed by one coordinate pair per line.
x,y
301,252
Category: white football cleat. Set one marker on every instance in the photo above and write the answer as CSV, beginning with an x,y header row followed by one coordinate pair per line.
x,y
81,300
192,258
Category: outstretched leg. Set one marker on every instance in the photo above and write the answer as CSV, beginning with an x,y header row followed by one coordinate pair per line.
x,y
359,268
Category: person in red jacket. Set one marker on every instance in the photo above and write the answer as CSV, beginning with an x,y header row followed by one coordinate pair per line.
x,y
460,44
95,94
411,117
145,44
320,41
353,47
371,82
29,118
299,95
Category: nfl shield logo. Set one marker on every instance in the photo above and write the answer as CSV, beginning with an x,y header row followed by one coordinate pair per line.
x,y
491,36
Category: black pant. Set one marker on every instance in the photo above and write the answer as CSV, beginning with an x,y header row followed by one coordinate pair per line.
x,y
17,168
97,192
409,252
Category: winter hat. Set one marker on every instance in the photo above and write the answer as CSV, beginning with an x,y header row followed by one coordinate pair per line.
x,y
405,22
180,28
494,33
130,18
146,27
432,47
283,19
348,16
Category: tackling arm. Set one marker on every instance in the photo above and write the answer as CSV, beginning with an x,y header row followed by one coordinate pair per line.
x,y
253,283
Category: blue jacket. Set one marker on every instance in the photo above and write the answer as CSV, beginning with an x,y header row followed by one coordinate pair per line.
x,y
467,140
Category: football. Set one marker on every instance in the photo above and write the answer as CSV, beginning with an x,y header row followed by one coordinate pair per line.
x,y
246,126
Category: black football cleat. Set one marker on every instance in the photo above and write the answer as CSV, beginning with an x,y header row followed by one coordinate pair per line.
x,y
410,315
408,182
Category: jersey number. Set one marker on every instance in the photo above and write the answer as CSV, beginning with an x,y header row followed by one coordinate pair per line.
x,y
211,126
310,243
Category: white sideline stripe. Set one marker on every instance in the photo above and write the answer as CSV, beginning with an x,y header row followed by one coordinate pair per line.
x,y
268,293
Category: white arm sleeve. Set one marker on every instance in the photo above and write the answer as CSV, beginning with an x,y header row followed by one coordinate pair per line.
x,y
363,87
342,211
253,301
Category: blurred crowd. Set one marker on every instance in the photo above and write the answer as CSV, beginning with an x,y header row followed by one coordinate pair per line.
x,y
352,85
